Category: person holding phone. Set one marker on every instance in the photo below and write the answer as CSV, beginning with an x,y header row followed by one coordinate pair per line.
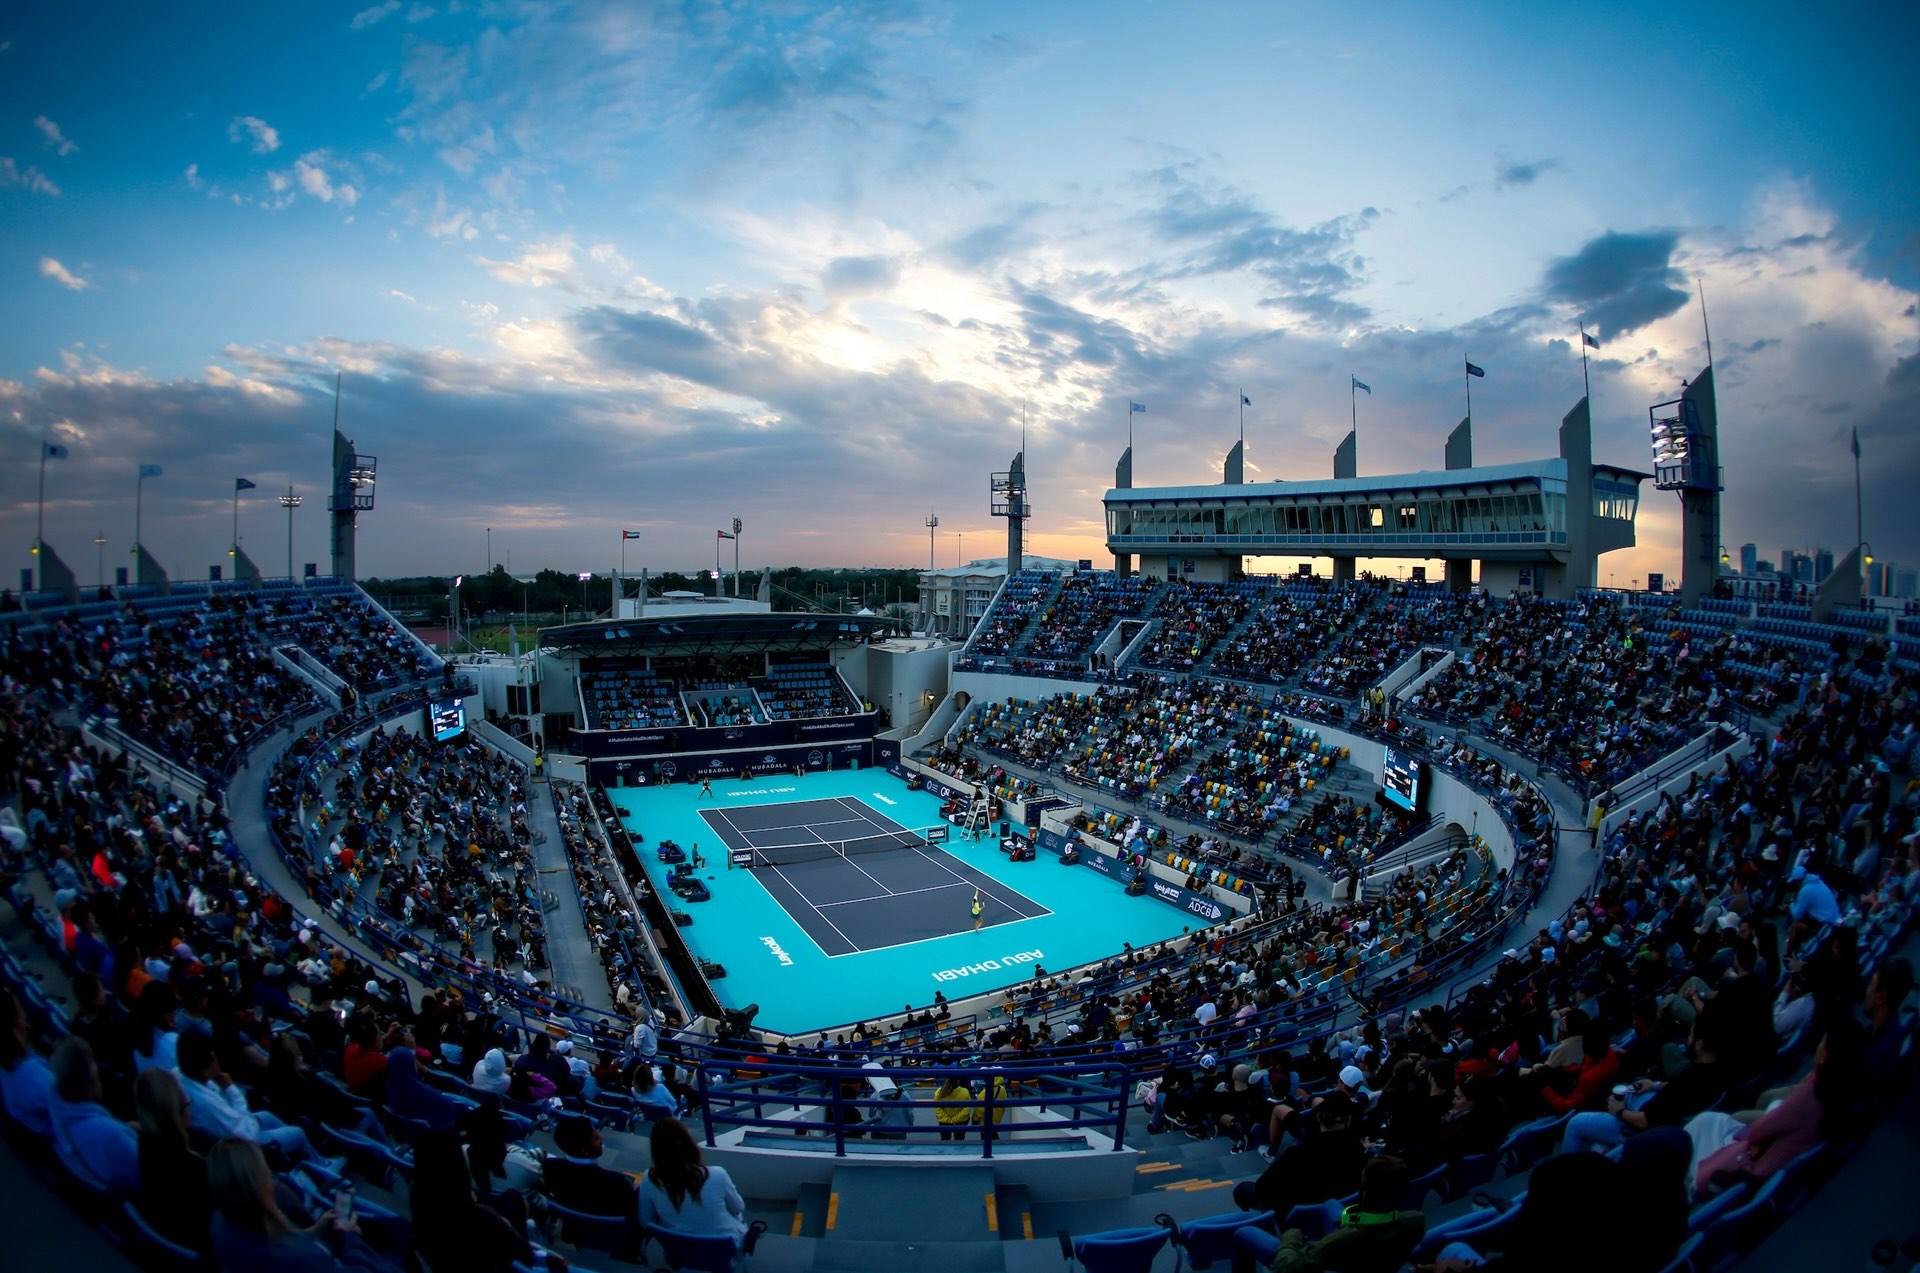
x,y
250,1231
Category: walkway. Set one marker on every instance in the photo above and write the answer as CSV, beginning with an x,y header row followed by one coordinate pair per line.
x,y
571,959
246,804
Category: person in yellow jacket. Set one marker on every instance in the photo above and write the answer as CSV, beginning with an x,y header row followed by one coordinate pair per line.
x,y
953,1119
999,1103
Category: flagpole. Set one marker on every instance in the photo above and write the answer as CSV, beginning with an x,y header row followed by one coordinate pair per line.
x,y
1242,395
716,566
40,514
236,519
139,498
1469,379
1353,417
1859,533
623,552
1584,384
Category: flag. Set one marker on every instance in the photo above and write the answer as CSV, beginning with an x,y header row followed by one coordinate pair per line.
x,y
629,534
1476,371
1361,385
241,484
53,451
149,470
1135,408
1856,442
724,534
1245,401
1589,341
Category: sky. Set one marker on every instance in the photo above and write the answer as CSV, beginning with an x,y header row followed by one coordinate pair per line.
x,y
590,267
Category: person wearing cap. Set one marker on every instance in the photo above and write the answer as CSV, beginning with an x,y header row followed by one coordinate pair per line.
x,y
1813,901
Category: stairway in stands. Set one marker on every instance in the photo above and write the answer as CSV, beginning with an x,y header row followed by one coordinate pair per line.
x,y
1023,642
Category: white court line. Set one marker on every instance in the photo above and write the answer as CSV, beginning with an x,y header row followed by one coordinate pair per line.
x,y
921,941
801,894
850,862
881,897
989,891
799,826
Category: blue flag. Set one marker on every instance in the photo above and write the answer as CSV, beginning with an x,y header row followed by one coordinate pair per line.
x,y
1476,371
241,484
1245,401
1590,342
149,470
1135,408
54,451
1362,385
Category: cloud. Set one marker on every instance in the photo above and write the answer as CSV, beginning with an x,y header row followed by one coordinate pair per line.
x,y
540,265
1508,173
192,177
1619,282
311,173
849,276
11,174
51,131
263,137
368,17
50,268
1309,272
397,294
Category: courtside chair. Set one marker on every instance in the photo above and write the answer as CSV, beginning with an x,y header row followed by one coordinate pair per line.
x,y
1119,1250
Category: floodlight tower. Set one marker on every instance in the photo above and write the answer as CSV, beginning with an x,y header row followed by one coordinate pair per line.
x,y
1009,500
1686,458
932,524
352,493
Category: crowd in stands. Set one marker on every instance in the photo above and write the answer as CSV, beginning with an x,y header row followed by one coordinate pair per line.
x,y
345,634
629,698
1725,1005
437,833
192,683
1019,598
1287,633
1193,617
804,692
1088,603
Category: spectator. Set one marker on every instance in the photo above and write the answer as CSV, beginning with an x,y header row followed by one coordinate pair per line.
x,y
96,1147
650,1093
251,1232
154,1037
1374,1235
679,1192
217,1106
1326,1165
451,1228
26,1081
490,1072
953,1116
173,1176
1787,1121
575,1178
410,1098
499,1169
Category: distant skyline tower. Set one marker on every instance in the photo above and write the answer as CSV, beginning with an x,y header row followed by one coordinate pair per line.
x,y
1749,559
1009,500
351,494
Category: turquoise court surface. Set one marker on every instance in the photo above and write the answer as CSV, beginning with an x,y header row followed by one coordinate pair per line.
x,y
824,943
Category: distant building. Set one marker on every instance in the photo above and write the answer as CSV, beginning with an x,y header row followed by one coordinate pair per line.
x,y
1822,564
1906,583
1749,559
952,598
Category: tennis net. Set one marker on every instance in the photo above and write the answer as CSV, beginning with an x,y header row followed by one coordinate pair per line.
x,y
820,850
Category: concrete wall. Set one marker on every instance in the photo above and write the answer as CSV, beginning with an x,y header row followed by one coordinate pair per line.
x,y
1447,797
998,685
1071,1176
907,684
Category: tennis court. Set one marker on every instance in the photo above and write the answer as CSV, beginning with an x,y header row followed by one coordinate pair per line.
x,y
855,880
895,946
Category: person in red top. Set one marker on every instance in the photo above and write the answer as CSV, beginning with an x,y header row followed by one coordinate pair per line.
x,y
365,1067
1593,1077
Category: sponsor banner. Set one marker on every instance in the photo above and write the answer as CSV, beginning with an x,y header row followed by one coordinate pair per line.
x,y
631,772
1117,869
660,742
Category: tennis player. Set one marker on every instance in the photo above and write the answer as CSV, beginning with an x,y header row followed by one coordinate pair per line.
x,y
979,910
